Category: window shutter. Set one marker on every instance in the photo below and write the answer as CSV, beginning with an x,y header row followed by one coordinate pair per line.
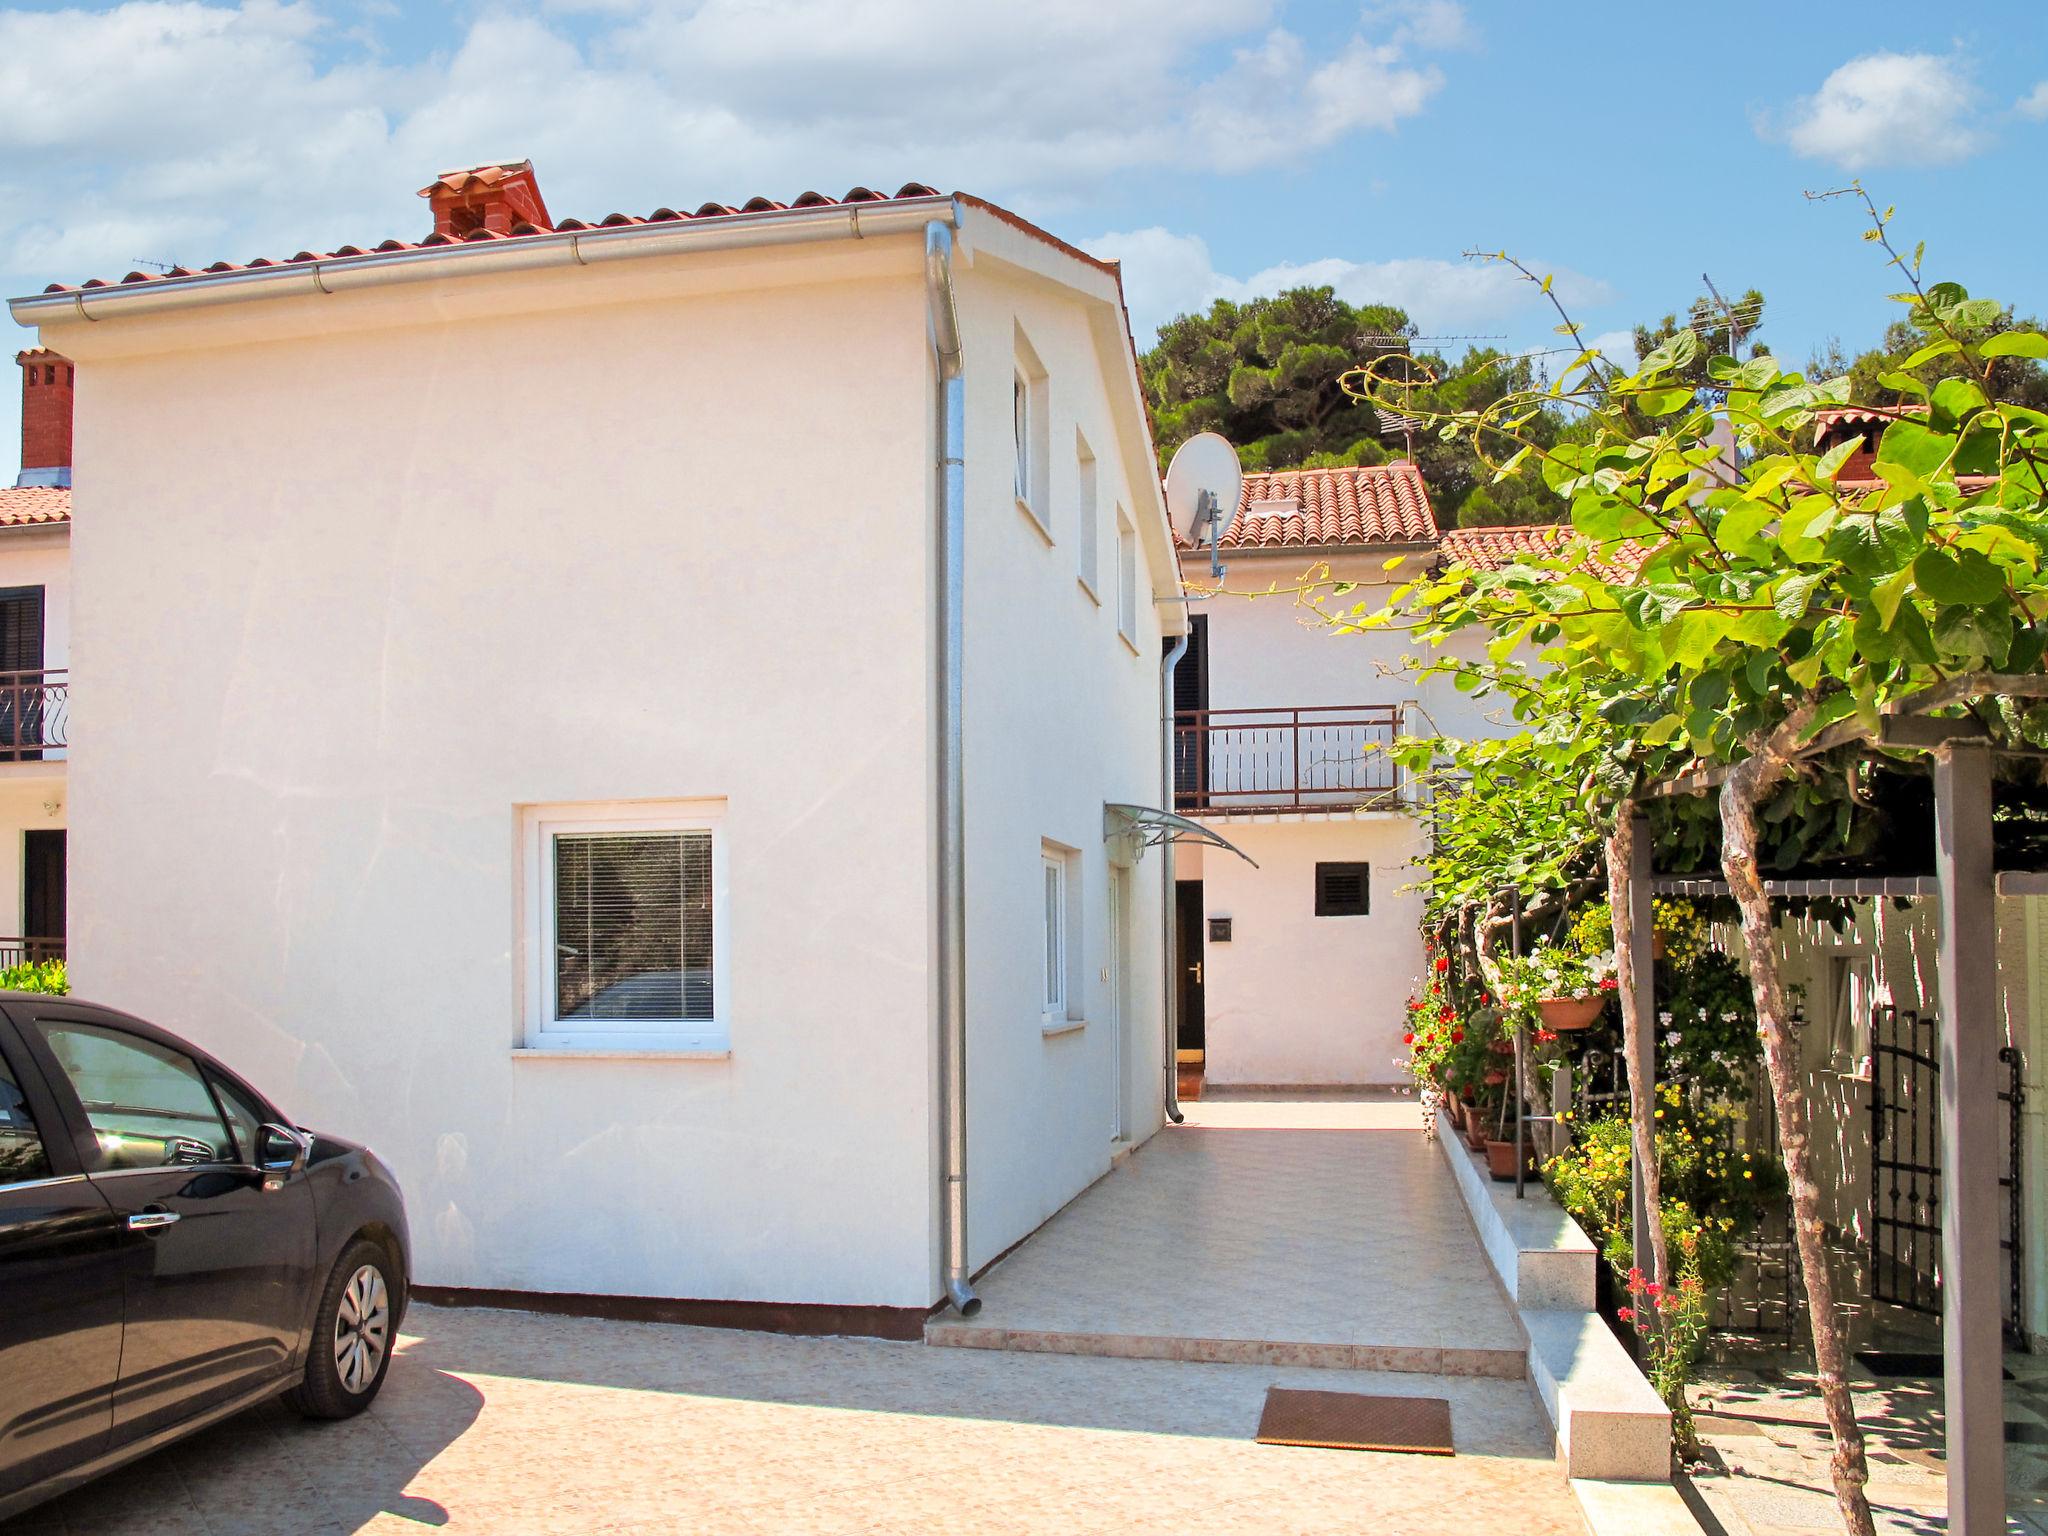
x,y
21,629
1343,890
633,936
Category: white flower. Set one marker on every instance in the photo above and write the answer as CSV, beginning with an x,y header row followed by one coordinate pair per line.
x,y
1671,1037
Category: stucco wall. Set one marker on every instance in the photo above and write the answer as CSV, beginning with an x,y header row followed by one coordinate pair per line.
x,y
348,601
1062,715
1297,998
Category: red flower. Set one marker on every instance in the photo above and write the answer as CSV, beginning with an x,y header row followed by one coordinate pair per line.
x,y
1409,1038
1445,1015
1457,1035
1545,1036
1626,1314
1609,984
1635,1279
1485,1001
1443,963
1653,1290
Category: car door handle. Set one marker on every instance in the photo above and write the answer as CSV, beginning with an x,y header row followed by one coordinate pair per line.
x,y
149,1221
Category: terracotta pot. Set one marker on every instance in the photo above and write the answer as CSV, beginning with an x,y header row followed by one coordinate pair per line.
x,y
1500,1159
1454,1111
1476,1131
1563,1013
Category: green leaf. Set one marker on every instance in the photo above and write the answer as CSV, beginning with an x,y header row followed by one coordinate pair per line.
x,y
1886,596
1794,592
1954,400
1903,383
1832,461
1738,530
2014,344
1941,347
1393,563
1662,402
1975,314
1913,447
1965,577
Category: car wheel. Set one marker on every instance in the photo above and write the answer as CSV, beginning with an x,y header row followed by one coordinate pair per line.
x,y
353,1332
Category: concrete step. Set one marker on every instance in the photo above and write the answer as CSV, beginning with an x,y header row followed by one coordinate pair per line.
x,y
1610,1424
1425,1359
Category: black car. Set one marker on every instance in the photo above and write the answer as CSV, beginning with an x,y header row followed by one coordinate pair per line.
x,y
172,1249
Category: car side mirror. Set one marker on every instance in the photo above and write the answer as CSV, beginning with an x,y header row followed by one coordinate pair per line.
x,y
285,1150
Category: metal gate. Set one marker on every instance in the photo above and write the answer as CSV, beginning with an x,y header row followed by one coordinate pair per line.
x,y
1905,1165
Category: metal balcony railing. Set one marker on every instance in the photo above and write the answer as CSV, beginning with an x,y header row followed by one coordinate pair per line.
x,y
15,952
1292,758
35,708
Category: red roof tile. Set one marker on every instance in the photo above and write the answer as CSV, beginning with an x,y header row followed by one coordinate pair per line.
x,y
1318,508
912,189
25,506
1492,549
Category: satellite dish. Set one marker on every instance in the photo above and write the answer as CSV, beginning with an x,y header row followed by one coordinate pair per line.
x,y
1204,463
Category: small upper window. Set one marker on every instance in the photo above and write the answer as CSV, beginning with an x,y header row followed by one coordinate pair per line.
x,y
1343,890
1031,436
1054,1002
1126,577
1088,509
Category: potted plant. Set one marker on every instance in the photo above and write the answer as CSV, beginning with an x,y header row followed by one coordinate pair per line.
x,y
1567,988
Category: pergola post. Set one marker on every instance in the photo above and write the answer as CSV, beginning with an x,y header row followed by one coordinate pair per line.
x,y
1971,1308
1642,1065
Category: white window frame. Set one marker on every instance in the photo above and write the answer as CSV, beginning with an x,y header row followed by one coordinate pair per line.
x,y
1052,956
1088,508
539,825
1126,578
1031,436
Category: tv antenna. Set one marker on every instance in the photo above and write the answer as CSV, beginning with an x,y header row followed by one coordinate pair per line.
x,y
1405,422
161,266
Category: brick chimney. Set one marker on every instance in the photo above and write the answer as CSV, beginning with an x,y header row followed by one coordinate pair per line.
x,y
46,382
499,198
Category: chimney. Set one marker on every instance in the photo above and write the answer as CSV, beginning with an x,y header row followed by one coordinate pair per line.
x,y
502,198
46,381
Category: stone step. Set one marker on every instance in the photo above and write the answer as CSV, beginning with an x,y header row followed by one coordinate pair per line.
x,y
1425,1359
1610,1424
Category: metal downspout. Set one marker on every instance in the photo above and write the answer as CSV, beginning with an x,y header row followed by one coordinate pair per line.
x,y
952,831
1170,998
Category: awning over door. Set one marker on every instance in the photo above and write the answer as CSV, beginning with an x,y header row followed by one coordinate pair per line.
x,y
1145,828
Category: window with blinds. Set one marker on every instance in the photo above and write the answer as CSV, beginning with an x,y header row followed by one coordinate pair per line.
x,y
633,927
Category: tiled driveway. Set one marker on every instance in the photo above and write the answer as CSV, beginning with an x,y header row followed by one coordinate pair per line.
x,y
511,1423
1320,1232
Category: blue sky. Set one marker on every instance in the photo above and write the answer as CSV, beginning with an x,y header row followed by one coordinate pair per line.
x,y
1218,147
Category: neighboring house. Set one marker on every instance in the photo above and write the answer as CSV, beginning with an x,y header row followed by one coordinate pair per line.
x,y
514,673
35,636
1295,972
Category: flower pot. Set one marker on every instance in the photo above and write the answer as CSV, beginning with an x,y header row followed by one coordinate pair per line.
x,y
1476,1131
1562,1013
1454,1111
1500,1159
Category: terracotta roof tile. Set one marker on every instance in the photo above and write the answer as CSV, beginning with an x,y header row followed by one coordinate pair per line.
x,y
1491,549
26,506
523,231
1319,508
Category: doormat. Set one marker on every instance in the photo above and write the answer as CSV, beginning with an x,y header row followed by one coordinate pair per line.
x,y
1354,1421
1892,1363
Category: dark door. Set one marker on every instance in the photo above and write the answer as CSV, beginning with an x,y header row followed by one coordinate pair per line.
x,y
1187,945
60,1289
1191,717
21,673
219,1287
42,892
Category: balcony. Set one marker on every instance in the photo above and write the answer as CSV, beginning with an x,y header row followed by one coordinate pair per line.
x,y
29,951
1322,758
35,709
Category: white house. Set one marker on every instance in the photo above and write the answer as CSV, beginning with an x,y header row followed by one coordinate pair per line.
x,y
35,639
1294,973
515,727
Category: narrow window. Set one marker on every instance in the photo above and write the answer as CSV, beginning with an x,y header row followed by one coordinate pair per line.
x,y
1054,1002
1031,436
1343,890
1126,577
1088,509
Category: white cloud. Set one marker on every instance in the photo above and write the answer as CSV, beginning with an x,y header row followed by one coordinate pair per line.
x,y
1888,109
1168,274
1618,347
2034,104
1432,24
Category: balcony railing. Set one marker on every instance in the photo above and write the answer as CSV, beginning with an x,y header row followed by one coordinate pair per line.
x,y
15,952
1314,757
35,708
